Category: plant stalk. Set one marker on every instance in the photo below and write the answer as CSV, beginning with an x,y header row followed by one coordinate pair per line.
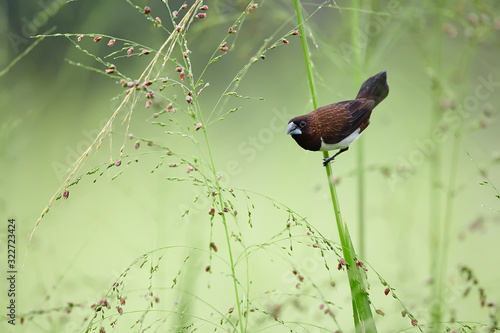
x,y
363,319
221,203
359,55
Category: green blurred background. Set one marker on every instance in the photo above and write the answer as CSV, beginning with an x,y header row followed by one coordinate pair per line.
x,y
438,56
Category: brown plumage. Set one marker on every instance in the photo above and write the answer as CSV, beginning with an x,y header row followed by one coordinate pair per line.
x,y
336,126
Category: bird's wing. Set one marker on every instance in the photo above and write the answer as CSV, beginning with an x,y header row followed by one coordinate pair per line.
x,y
343,118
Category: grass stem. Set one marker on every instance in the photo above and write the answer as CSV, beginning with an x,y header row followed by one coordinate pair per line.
x,y
363,319
359,56
221,203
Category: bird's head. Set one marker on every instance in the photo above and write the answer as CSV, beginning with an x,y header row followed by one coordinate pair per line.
x,y
303,131
297,126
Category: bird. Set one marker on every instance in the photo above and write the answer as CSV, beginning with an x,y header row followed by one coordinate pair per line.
x,y
336,126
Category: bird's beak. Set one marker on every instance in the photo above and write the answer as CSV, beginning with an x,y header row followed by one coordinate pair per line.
x,y
293,129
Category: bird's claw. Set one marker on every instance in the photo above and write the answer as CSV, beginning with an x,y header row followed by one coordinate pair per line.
x,y
328,160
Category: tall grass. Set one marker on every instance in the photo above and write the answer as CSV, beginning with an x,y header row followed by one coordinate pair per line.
x,y
237,268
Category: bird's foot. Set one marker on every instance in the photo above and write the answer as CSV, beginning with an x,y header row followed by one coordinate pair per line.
x,y
328,160
331,158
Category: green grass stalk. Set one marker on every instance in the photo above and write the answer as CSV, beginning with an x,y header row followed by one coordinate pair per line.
x,y
363,319
465,62
435,175
224,222
221,206
359,55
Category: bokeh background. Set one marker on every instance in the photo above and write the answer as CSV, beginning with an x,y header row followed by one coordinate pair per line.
x,y
430,164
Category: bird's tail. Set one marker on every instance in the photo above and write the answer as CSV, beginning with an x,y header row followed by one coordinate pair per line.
x,y
375,88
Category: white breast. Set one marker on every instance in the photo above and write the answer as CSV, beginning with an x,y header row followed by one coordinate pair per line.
x,y
342,144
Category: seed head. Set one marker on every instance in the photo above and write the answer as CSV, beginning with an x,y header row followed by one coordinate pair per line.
x,y
111,42
204,7
308,232
254,5
80,38
175,14
342,261
137,145
118,163
201,15
386,291
450,30
473,18
65,194
285,41
130,51
169,107
97,38
315,245
295,32
178,28
207,269
148,104
130,136
179,69
189,99
198,126
414,322
212,211
150,94
224,48
147,10
213,246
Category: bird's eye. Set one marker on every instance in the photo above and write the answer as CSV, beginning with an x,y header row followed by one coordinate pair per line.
x,y
302,124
